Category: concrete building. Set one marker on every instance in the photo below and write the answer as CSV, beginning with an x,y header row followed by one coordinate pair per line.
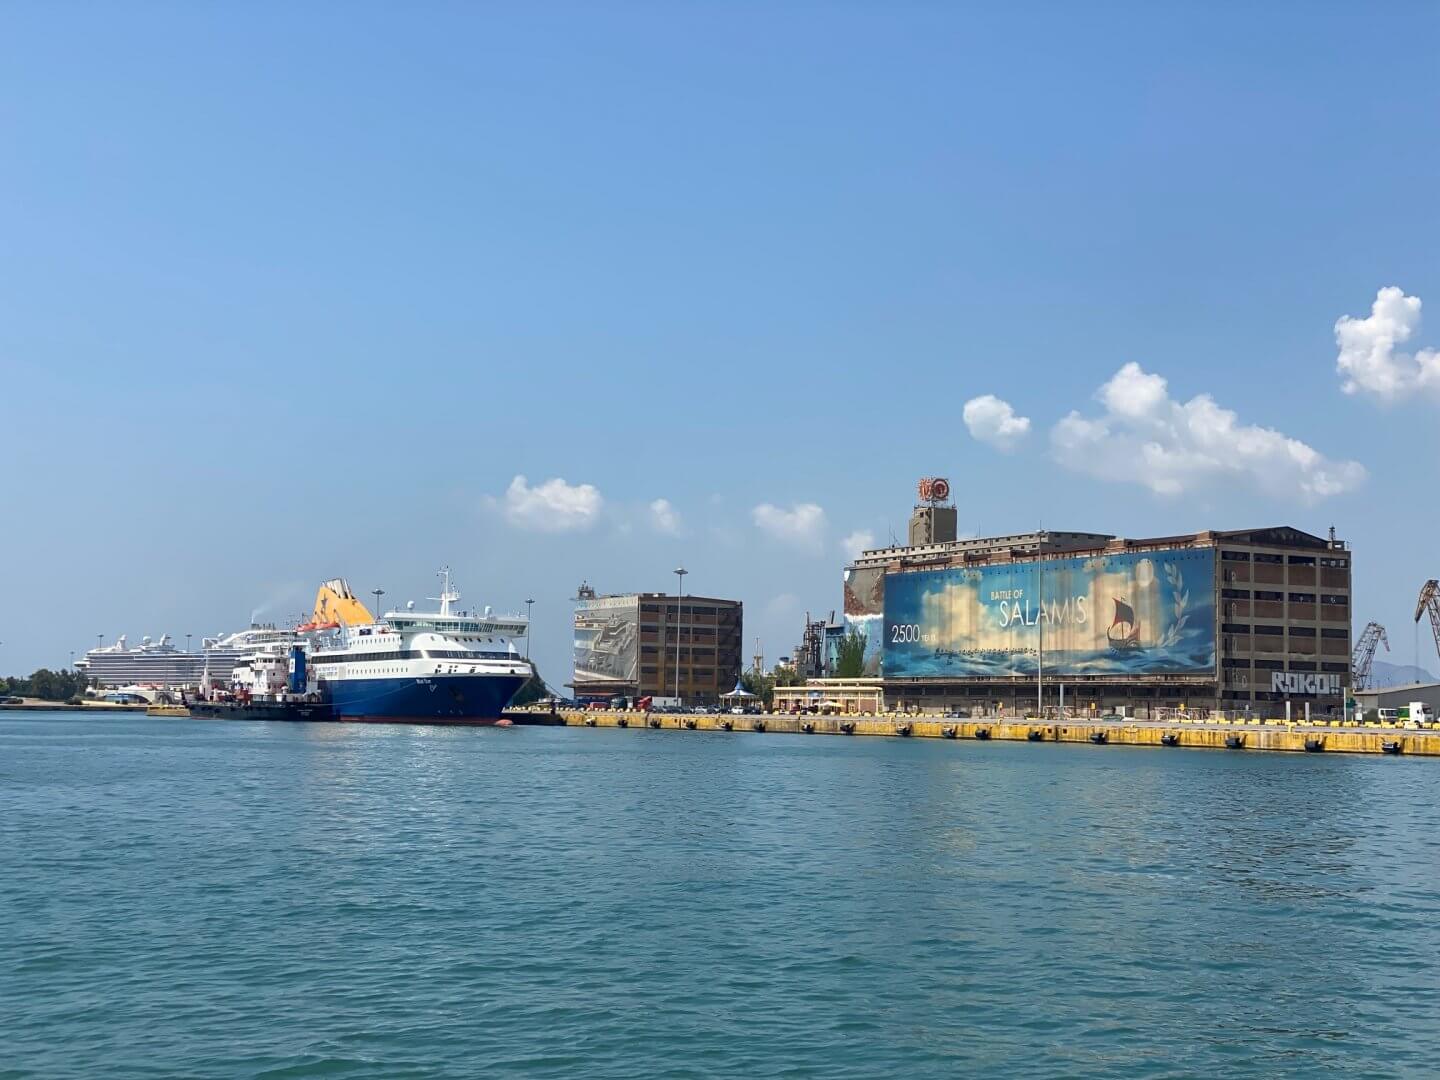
x,y
1370,702
633,644
1239,620
831,696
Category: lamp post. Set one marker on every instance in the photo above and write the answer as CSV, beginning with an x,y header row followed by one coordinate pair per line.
x,y
187,641
680,573
377,593
528,604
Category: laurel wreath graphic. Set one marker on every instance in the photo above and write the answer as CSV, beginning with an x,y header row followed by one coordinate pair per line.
x,y
1181,597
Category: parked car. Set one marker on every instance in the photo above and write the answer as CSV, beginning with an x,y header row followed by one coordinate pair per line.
x,y
9,700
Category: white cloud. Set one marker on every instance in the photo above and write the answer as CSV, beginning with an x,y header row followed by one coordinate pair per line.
x,y
1368,359
664,517
554,506
803,525
993,421
858,541
1144,436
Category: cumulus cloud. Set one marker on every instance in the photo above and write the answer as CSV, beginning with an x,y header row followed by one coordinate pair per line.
x,y
554,506
802,525
858,541
1368,358
992,420
1144,436
664,517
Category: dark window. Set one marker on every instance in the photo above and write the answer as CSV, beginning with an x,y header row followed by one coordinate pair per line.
x,y
1269,665
1265,594
1328,632
1235,594
1232,662
1328,666
648,669
1302,631
648,650
1262,557
1302,598
1328,598
652,608
1235,556
1302,560
1235,628
1275,630
1302,665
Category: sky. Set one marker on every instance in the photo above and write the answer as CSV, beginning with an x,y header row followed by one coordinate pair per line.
x,y
559,292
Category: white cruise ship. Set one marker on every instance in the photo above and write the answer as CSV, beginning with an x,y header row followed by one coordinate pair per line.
x,y
160,664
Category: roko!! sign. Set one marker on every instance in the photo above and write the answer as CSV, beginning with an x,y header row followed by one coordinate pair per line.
x,y
1303,682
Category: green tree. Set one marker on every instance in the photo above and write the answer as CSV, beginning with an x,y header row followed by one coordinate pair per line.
x,y
759,683
784,675
534,690
850,656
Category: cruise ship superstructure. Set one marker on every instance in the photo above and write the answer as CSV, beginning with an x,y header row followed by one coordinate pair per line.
x,y
159,664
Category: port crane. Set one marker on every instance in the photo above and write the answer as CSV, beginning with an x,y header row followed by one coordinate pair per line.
x,y
1430,601
1364,656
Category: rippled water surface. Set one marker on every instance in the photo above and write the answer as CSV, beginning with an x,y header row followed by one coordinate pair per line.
x,y
203,898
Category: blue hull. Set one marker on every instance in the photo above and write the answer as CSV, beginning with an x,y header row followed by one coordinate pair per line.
x,y
434,699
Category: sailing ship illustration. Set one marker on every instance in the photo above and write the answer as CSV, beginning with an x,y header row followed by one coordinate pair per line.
x,y
1124,630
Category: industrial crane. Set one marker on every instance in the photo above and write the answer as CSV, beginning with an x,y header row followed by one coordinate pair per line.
x,y
1364,655
1430,601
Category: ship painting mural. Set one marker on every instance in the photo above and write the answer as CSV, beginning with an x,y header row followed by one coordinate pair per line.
x,y
1130,614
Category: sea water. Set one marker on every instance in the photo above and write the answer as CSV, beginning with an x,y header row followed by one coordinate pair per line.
x,y
223,899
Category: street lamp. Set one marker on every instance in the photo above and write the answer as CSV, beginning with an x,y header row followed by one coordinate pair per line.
x,y
377,593
187,641
527,627
680,573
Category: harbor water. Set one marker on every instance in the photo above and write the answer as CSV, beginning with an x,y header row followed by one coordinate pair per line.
x,y
212,899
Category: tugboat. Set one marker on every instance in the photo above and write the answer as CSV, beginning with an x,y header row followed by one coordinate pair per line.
x,y
268,684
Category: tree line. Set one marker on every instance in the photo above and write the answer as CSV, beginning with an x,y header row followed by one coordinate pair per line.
x,y
44,684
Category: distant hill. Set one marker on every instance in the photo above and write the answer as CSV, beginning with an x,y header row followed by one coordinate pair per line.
x,y
1383,674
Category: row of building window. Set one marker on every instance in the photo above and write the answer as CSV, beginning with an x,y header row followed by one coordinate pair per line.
x,y
1293,560
1279,665
1334,599
1275,631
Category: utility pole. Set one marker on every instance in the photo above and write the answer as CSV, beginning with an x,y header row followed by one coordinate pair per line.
x,y
528,604
680,573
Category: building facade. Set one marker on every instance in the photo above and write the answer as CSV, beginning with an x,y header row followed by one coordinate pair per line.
x,y
634,645
1237,620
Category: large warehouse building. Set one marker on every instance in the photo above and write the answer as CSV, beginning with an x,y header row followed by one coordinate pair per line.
x,y
634,645
1242,620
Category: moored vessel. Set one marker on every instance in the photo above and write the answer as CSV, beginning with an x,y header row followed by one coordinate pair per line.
x,y
438,667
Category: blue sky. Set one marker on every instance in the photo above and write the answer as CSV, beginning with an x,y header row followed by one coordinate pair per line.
x,y
290,291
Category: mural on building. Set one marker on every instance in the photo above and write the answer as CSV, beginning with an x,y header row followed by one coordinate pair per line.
x,y
607,640
865,612
1138,613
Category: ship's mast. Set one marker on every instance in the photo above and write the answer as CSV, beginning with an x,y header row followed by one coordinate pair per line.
x,y
447,594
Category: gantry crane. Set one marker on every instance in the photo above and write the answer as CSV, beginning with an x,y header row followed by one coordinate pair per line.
x,y
1364,655
1430,601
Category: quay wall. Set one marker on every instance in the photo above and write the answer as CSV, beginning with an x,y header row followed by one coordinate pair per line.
x,y
1298,737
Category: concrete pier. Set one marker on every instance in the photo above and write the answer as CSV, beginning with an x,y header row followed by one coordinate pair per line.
x,y
1298,737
